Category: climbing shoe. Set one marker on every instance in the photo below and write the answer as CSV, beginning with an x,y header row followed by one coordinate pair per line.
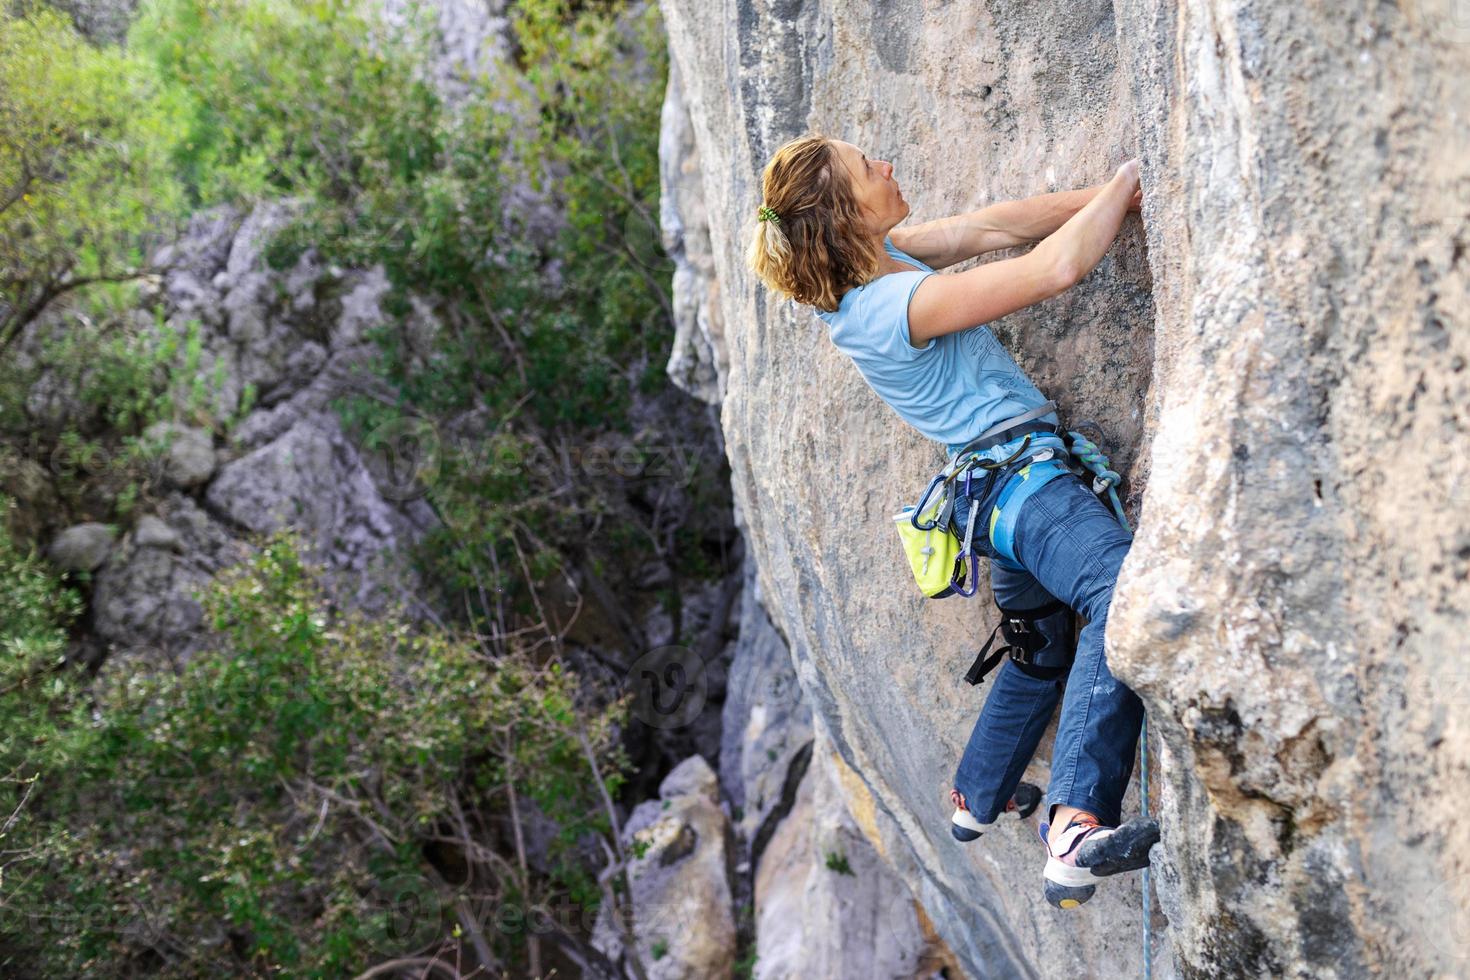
x,y
965,827
1086,850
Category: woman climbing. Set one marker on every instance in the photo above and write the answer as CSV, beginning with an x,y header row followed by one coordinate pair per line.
x,y
826,236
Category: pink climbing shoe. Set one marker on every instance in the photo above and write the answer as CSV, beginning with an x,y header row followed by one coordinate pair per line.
x,y
1086,850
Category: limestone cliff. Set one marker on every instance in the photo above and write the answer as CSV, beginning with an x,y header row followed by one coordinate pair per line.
x,y
1277,352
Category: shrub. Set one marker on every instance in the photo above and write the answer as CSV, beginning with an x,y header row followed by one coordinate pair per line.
x,y
261,810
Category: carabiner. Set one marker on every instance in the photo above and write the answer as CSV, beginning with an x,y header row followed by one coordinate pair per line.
x,y
923,504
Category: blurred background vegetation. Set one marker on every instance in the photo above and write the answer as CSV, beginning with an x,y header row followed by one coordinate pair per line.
x,y
253,813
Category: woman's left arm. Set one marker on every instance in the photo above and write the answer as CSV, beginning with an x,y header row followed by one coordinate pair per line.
x,y
946,241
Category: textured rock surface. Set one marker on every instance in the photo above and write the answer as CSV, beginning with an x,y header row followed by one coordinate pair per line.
x,y
697,362
81,547
185,452
765,724
827,903
780,783
297,338
146,599
1290,611
1294,607
680,885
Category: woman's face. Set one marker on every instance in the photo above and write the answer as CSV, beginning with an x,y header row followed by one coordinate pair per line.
x,y
874,186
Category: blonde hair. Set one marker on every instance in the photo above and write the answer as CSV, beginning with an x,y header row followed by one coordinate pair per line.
x,y
820,247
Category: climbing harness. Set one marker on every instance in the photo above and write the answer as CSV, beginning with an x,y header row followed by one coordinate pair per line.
x,y
1039,641
1021,487
941,563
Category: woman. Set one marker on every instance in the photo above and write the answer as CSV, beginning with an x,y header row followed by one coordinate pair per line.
x,y
826,236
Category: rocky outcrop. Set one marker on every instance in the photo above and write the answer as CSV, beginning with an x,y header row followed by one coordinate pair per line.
x,y
697,362
1287,318
765,727
145,600
275,348
827,902
822,901
679,881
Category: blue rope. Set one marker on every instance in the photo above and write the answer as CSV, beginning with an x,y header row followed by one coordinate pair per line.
x,y
1108,479
1148,945
1105,479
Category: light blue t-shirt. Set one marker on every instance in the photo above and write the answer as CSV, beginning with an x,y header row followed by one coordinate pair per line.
x,y
954,387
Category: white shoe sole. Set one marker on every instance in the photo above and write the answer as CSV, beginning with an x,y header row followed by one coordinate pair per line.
x,y
1065,874
963,818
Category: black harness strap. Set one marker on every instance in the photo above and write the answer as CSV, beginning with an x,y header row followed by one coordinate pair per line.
x,y
1022,640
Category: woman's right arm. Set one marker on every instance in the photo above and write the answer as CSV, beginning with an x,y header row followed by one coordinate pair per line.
x,y
946,303
1078,246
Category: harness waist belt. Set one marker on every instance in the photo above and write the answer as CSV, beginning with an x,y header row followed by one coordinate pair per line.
x,y
1018,489
1009,429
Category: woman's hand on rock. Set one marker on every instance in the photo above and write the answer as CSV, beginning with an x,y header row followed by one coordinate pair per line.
x,y
1127,175
1128,172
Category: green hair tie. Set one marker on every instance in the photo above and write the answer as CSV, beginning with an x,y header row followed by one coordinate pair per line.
x,y
766,214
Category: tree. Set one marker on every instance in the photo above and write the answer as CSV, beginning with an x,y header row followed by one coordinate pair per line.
x,y
86,184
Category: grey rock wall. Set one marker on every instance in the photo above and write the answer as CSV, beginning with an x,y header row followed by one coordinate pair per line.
x,y
1294,607
297,338
1276,351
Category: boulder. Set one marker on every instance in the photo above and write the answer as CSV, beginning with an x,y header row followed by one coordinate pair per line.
x,y
146,597
681,916
312,479
154,533
187,452
81,547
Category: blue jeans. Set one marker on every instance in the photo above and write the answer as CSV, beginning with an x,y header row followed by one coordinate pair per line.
x,y
1071,547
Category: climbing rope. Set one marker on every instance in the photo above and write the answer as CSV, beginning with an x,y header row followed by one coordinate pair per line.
x,y
1107,479
1148,945
1103,478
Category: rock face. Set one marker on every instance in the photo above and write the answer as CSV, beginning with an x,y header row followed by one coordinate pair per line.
x,y
765,725
827,902
275,349
822,900
680,883
1288,316
697,362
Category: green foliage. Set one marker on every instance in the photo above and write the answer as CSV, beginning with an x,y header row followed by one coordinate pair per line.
x,y
112,377
659,948
263,794
838,862
245,814
745,965
287,97
87,188
85,178
324,103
